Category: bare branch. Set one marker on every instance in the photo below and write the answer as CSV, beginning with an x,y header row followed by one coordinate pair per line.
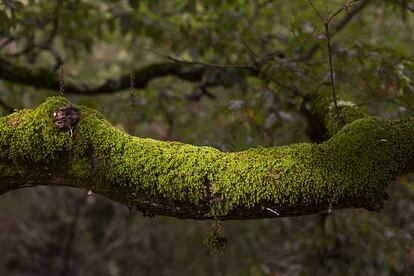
x,y
337,12
46,79
193,62
405,5
331,71
220,66
326,22
338,26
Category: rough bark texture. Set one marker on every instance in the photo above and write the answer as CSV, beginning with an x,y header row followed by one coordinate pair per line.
x,y
62,144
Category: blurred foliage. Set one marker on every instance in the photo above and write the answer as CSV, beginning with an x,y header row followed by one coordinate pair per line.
x,y
62,231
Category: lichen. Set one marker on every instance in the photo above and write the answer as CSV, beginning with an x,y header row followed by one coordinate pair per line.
x,y
355,165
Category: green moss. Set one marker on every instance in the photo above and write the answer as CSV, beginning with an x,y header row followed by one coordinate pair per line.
x,y
80,167
31,135
216,240
322,106
354,165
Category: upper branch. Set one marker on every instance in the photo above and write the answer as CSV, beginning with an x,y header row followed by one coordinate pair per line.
x,y
46,79
339,25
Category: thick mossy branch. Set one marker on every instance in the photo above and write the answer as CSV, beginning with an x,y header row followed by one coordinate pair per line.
x,y
351,169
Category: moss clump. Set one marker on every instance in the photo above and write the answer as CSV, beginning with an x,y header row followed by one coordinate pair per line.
x,y
216,241
354,165
31,135
322,106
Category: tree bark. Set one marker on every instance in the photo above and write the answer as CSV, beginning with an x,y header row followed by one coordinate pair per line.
x,y
59,143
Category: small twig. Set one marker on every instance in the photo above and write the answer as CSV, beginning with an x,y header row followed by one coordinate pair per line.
x,y
338,11
317,11
405,5
331,72
326,20
132,102
338,26
221,66
260,61
270,210
61,78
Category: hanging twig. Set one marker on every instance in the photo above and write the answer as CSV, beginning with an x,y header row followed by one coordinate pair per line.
x,y
61,77
132,102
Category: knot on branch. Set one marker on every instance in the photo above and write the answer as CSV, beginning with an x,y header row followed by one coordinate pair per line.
x,y
66,118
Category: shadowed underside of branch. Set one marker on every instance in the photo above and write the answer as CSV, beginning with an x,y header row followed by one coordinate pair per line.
x,y
62,144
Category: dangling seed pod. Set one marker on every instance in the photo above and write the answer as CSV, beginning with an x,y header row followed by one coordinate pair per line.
x,y
132,102
216,241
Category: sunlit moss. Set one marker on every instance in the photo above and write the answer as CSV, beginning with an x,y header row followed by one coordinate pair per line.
x,y
354,165
322,106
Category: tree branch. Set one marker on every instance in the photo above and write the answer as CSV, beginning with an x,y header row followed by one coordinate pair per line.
x,y
405,5
62,144
45,79
338,26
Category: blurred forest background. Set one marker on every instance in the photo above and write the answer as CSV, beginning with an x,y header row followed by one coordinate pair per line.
x,y
239,69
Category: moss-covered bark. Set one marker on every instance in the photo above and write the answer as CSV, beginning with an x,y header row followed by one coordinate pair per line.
x,y
351,169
